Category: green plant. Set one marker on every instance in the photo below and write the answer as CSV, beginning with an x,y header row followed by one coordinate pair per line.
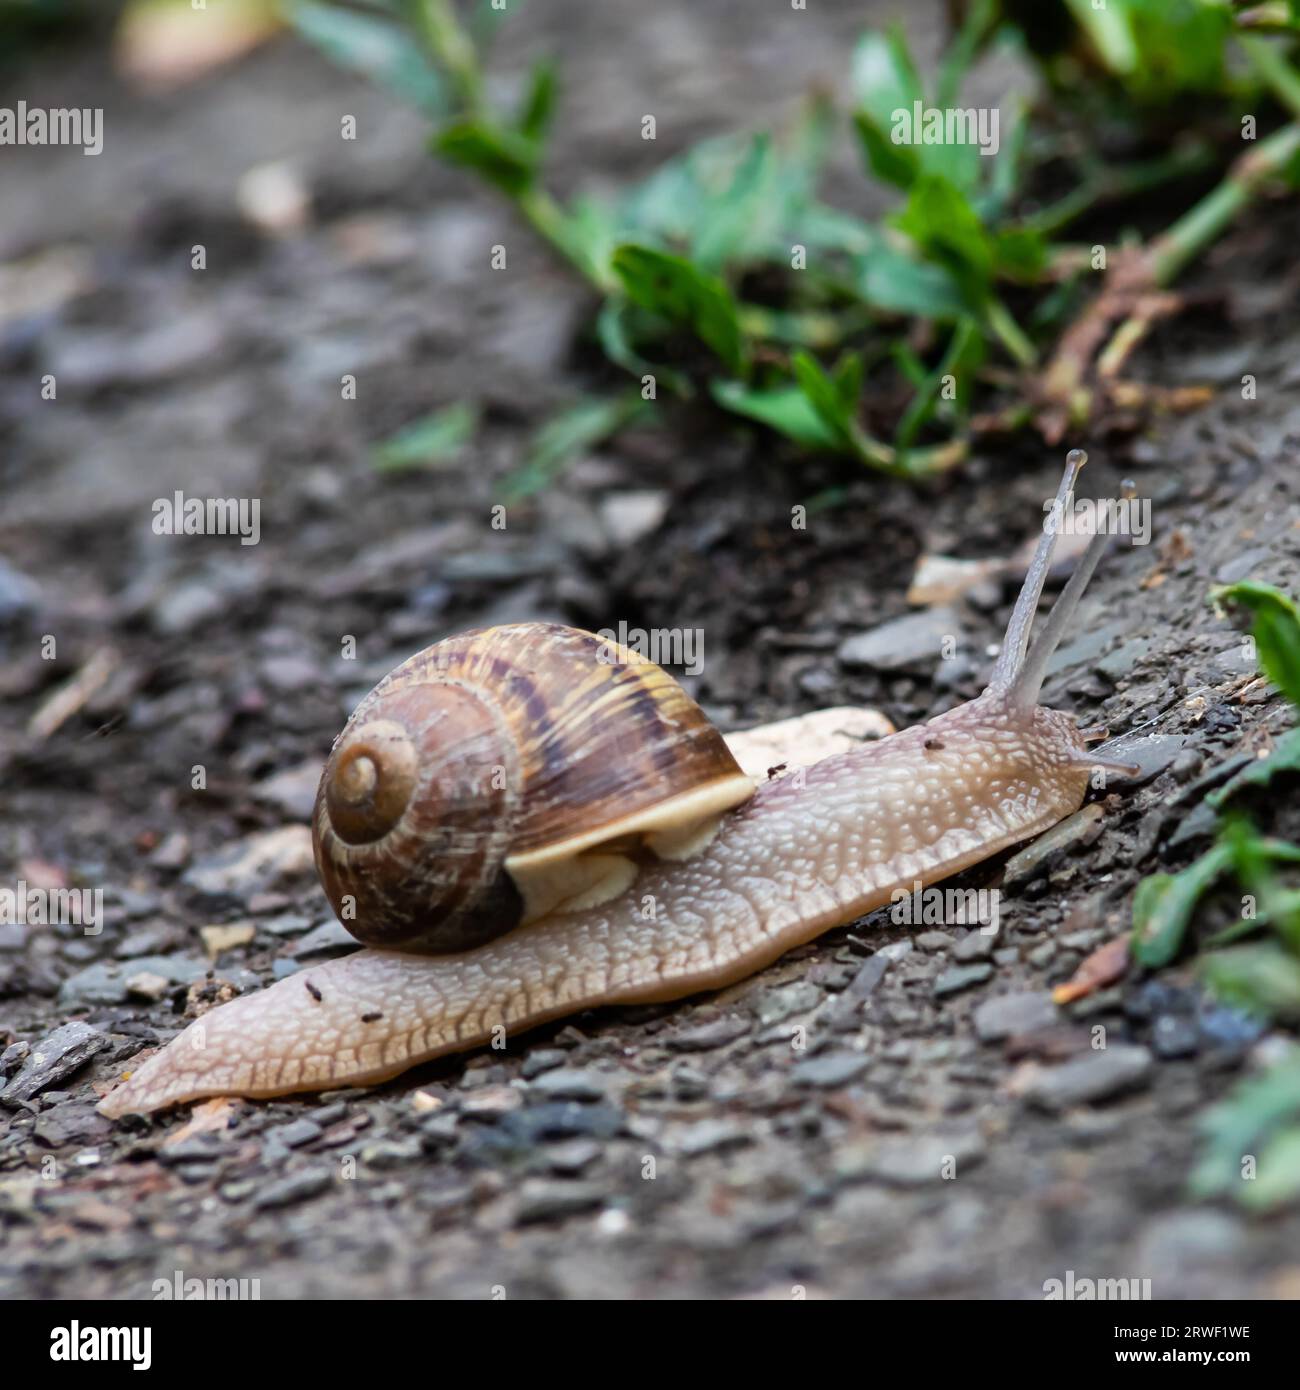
x,y
892,342
1253,964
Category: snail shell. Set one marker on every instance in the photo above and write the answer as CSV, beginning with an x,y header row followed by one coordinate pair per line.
x,y
508,773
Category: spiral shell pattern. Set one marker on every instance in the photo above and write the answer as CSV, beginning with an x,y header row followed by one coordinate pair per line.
x,y
526,741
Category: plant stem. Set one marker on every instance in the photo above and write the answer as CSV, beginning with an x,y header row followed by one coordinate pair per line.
x,y
441,33
1010,334
1105,183
549,220
1205,222
1273,69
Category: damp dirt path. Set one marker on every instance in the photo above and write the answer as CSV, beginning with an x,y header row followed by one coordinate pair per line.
x,y
945,1132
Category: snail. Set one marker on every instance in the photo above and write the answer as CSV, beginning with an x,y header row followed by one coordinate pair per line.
x,y
660,871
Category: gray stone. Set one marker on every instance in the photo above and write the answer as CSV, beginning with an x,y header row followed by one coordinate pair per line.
x,y
541,1199
572,1155
786,1001
390,1153
1241,565
914,1160
863,984
569,1083
253,864
295,1133
1202,822
961,977
910,643
1119,663
331,937
292,790
708,1136
70,1124
51,1060
1035,858
1087,1080
13,936
1175,1035
296,1188
542,1059
1010,1014
1152,753
1197,1239
830,1070
109,982
561,1119
975,945
707,1036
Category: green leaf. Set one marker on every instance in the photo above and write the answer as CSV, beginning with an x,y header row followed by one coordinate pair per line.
x,y
1275,627
896,126
940,220
825,396
1020,253
436,439
378,48
1285,757
1277,1179
539,103
503,157
1164,903
1159,48
889,162
1111,31
1263,978
784,408
960,361
981,17
566,437
1238,1127
884,82
673,288
727,230
616,335
835,398
897,283
590,233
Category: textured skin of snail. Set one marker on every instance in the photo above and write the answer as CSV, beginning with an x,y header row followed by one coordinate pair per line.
x,y
794,861
806,853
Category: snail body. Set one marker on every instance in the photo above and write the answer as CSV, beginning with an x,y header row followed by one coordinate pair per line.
x,y
798,856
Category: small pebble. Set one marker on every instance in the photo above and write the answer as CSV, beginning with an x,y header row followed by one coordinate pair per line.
x,y
961,977
1009,1014
1097,1077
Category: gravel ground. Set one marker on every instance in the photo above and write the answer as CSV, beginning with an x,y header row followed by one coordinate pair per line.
x,y
946,1131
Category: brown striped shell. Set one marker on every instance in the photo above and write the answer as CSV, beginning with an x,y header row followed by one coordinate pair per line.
x,y
507,773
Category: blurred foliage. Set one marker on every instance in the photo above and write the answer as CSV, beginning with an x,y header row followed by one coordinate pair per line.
x,y
1260,975
725,274
25,24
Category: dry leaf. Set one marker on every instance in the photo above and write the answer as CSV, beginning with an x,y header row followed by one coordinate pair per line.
x,y
211,1117
1107,964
